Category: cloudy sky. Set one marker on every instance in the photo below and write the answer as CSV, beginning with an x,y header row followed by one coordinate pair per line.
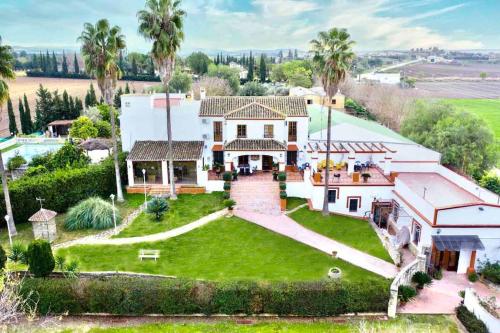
x,y
266,24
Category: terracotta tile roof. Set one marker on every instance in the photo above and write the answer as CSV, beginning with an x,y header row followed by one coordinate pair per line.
x,y
43,215
61,122
254,144
255,110
158,151
256,106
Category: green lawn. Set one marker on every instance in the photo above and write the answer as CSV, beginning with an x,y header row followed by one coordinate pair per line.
x,y
402,324
225,249
293,202
25,231
487,109
350,231
187,208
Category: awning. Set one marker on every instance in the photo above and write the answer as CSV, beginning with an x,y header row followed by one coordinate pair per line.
x,y
457,243
292,148
218,148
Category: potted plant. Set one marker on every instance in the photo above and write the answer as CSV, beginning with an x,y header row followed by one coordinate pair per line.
x,y
275,166
334,273
275,175
283,197
227,186
227,176
406,294
235,174
421,279
365,177
217,167
282,176
229,204
282,186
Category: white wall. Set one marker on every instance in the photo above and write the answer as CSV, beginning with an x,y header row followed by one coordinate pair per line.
x,y
422,206
480,215
472,304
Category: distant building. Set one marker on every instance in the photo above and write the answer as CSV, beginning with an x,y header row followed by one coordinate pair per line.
x,y
380,77
317,95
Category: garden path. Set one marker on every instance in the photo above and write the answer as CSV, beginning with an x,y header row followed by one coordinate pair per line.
x,y
285,226
256,193
91,240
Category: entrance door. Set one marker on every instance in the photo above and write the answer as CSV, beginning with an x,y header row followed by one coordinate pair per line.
x,y
267,162
447,260
243,160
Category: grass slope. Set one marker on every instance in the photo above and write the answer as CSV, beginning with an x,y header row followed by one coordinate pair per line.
x,y
354,232
226,249
293,202
187,208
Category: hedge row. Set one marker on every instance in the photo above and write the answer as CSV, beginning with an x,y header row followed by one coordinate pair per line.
x,y
470,321
84,76
60,189
136,296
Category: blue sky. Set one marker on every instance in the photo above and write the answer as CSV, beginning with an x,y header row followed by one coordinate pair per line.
x,y
266,24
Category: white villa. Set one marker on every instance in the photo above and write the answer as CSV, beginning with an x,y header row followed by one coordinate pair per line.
x,y
376,174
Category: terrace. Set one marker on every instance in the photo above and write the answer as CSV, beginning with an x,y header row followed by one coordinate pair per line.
x,y
341,177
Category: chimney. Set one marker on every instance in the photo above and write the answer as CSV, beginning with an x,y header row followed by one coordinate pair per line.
x,y
203,93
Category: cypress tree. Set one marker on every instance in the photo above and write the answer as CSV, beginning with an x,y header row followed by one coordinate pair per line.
x,y
72,108
76,67
262,68
250,68
66,106
43,65
43,108
12,118
78,107
134,67
27,115
22,117
117,102
296,54
127,89
54,63
290,55
48,64
56,108
34,62
64,64
101,100
121,64
92,96
151,67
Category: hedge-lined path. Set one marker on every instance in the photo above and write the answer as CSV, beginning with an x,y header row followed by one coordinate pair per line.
x,y
285,226
95,240
256,193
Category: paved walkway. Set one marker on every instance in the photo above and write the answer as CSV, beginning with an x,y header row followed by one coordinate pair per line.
x,y
149,238
285,226
442,296
256,193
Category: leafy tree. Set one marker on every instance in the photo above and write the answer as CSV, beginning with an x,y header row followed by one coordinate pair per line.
x,y
64,64
162,23
69,156
214,86
180,82
3,258
12,118
15,162
157,207
27,115
252,89
277,74
483,75
40,259
262,69
83,128
332,57
103,129
198,62
76,67
300,79
491,181
227,73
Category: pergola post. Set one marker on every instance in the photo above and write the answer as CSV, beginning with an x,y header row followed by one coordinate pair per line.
x,y
472,263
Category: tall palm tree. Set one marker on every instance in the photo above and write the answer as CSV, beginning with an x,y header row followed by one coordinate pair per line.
x,y
6,72
161,21
101,46
333,56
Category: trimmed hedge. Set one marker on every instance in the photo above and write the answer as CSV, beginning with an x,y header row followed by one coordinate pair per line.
x,y
61,189
470,321
139,296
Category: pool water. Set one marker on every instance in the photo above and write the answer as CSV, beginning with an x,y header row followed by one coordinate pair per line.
x,y
29,150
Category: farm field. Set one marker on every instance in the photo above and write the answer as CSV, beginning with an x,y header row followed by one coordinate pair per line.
x,y
75,87
465,70
459,89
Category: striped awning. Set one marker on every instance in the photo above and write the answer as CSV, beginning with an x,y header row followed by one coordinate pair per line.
x,y
457,243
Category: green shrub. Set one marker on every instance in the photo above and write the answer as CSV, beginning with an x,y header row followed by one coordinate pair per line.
x,y
282,186
157,207
40,259
18,253
438,273
35,171
490,271
406,293
227,186
61,189
229,203
3,258
15,162
93,213
283,195
470,321
227,176
473,277
140,296
421,279
282,176
226,195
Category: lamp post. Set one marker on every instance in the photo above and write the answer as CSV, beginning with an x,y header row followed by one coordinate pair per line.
x,y
112,196
144,180
7,218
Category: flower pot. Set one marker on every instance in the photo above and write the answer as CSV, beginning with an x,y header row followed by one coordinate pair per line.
x,y
334,273
283,204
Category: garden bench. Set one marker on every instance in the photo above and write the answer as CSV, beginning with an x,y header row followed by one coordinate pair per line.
x,y
149,254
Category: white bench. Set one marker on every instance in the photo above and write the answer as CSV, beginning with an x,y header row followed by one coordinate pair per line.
x,y
149,254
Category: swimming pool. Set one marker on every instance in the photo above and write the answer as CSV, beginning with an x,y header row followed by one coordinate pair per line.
x,y
29,150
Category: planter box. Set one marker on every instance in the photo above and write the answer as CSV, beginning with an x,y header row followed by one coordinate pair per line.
x,y
283,204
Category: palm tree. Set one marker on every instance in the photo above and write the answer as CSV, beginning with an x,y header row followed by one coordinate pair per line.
x,y
161,22
101,46
333,56
6,72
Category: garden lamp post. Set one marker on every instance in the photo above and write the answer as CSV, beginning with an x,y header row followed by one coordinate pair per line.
x,y
7,218
144,180
112,196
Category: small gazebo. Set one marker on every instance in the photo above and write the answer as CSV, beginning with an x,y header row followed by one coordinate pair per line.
x,y
44,224
97,148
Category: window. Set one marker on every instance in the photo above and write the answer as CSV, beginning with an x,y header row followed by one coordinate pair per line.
x,y
218,157
241,131
217,130
268,131
334,101
417,231
291,157
292,131
332,196
353,203
395,211
309,101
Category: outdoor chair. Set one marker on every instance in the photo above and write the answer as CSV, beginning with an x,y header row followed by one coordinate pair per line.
x,y
337,177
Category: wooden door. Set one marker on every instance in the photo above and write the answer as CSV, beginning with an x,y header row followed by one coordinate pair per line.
x,y
267,162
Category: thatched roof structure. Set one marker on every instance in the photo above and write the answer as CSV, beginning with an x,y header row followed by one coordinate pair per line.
x,y
96,144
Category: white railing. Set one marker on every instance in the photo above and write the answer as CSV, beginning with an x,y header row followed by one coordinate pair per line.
x,y
404,278
473,304
41,140
8,143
